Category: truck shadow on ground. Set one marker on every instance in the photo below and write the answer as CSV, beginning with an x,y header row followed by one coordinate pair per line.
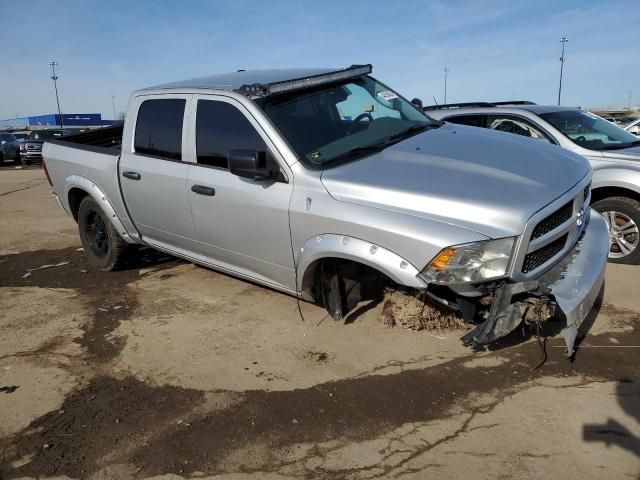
x,y
613,432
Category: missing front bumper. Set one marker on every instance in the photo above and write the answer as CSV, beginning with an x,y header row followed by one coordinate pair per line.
x,y
573,283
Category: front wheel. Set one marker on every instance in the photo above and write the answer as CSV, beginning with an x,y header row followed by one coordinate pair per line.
x,y
623,216
104,246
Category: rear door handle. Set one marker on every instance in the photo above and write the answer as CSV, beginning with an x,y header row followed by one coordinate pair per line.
x,y
202,190
131,175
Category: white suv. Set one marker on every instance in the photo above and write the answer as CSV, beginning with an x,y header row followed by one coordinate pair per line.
x,y
613,153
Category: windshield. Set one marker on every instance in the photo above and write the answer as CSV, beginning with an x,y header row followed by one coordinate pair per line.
x,y
20,136
47,134
343,121
590,131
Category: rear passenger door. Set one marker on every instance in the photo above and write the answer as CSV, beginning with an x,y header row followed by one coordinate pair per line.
x,y
242,224
153,175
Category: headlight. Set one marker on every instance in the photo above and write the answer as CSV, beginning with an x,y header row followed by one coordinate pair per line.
x,y
470,262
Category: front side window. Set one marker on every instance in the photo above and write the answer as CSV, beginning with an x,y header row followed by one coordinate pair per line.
x,y
590,131
515,125
221,127
159,128
343,120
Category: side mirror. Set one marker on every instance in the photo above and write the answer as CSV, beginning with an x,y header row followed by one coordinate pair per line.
x,y
251,164
418,103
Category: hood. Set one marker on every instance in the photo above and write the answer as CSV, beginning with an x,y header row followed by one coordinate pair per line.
x,y
631,154
486,181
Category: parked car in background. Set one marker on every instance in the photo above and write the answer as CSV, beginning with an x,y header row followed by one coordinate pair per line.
x,y
613,152
633,127
9,147
31,148
311,181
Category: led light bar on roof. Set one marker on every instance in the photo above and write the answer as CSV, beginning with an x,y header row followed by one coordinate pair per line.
x,y
353,71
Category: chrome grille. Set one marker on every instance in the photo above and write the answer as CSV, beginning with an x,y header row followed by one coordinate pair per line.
x,y
551,233
553,221
539,257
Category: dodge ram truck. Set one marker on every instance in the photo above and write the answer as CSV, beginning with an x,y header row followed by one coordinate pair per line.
x,y
310,180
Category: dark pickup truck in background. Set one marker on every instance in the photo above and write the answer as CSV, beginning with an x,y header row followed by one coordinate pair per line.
x,y
31,148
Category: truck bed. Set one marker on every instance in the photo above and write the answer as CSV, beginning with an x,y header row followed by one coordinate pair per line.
x,y
89,162
104,140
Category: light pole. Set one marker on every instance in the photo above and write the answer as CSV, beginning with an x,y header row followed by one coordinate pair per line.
x,y
113,104
629,101
563,40
446,70
54,77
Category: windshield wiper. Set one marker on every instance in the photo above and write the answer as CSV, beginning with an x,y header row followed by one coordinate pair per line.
x,y
408,132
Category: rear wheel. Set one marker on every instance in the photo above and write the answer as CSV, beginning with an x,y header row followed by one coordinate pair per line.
x,y
623,216
104,246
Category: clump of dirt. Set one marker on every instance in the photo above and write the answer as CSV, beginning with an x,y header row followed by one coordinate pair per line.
x,y
404,309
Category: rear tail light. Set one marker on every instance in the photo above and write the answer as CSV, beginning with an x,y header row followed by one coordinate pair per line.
x,y
46,172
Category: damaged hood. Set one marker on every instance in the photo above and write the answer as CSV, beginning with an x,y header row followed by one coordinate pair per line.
x,y
486,181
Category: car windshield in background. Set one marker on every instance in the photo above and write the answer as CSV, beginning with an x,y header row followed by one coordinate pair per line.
x,y
47,134
343,121
590,131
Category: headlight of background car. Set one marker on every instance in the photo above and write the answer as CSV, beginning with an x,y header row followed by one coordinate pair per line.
x,y
470,262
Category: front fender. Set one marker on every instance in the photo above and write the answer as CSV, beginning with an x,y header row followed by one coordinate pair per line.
x,y
83,183
616,177
341,246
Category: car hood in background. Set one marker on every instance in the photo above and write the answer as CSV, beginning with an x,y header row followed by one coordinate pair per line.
x,y
632,154
489,182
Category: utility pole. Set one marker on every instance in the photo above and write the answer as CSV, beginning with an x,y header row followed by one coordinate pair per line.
x,y
446,70
54,77
563,40
629,101
113,104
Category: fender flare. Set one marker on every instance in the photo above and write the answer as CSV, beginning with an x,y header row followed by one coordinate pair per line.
x,y
83,183
331,245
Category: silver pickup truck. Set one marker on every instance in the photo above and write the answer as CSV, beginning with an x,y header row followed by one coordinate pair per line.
x,y
311,181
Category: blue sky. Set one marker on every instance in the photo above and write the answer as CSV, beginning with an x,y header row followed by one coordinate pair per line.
x,y
494,49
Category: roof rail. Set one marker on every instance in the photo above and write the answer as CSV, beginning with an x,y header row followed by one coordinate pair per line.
x,y
458,105
514,102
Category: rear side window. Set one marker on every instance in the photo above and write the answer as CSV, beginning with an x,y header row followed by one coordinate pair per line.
x,y
159,128
471,120
221,127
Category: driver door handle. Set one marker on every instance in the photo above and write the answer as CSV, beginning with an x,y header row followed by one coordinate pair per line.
x,y
202,190
131,175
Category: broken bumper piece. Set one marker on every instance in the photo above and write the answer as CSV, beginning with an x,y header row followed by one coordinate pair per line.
x,y
574,283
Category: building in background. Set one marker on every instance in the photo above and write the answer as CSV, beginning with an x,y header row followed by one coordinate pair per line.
x,y
73,120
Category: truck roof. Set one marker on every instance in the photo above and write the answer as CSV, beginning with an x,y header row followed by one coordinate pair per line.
x,y
240,78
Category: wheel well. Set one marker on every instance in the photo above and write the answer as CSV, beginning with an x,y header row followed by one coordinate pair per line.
x,y
76,195
601,193
371,281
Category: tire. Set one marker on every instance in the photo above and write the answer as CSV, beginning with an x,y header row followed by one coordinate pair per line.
x,y
105,248
25,161
623,216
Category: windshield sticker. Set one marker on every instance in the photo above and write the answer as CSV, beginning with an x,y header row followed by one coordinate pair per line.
x,y
314,155
387,95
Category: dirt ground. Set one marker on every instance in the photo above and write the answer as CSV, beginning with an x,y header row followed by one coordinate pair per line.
x,y
170,370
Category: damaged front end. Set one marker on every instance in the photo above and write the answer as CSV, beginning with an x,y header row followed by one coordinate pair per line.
x,y
569,289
